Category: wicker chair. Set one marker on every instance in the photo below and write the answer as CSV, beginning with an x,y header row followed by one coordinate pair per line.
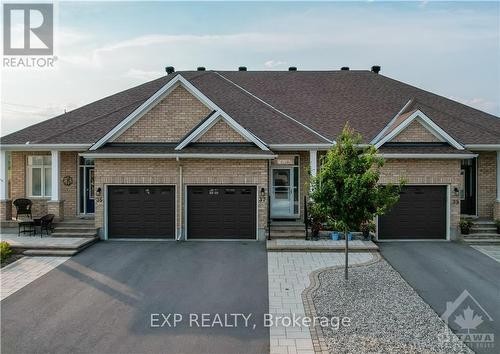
x,y
45,223
23,207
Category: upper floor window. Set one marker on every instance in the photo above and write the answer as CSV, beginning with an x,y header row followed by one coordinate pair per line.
x,y
39,176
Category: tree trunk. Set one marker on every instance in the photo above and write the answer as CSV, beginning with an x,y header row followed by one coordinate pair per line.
x,y
346,255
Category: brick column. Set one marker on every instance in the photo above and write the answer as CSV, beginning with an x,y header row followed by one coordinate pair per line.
x,y
56,207
496,208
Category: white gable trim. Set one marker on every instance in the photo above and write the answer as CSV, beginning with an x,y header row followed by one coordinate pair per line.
x,y
157,97
382,132
210,122
428,123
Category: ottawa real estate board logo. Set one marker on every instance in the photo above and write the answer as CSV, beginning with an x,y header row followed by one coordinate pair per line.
x,y
28,35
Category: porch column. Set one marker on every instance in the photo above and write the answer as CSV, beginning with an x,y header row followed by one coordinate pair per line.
x,y
55,205
5,204
313,160
55,174
4,175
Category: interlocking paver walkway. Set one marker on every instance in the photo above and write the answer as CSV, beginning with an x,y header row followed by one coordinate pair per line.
x,y
492,251
288,277
22,272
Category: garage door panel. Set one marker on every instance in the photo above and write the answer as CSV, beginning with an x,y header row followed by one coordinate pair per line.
x,y
141,211
419,214
221,212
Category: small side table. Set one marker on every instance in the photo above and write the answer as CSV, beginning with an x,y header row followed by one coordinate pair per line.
x,y
26,227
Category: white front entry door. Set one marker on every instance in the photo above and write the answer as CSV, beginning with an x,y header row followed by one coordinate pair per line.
x,y
282,193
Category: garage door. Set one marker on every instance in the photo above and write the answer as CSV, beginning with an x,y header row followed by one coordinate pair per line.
x,y
419,214
141,212
221,212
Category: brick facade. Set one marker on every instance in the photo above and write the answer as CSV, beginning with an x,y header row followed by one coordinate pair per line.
x,y
221,132
169,121
427,171
415,132
194,171
487,182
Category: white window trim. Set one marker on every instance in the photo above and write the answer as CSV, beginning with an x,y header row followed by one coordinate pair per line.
x,y
428,124
29,178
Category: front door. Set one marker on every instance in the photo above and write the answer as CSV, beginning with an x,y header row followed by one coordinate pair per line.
x,y
282,193
468,187
86,186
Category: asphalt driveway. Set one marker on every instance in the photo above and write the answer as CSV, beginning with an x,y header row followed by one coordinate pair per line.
x,y
441,271
104,299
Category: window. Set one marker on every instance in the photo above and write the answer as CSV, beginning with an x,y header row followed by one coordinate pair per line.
x,y
39,172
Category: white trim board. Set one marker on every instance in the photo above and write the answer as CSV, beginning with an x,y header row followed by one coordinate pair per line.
x,y
160,95
382,132
178,156
427,123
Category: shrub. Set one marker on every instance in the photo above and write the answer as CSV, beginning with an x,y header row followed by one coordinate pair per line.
x,y
465,226
5,251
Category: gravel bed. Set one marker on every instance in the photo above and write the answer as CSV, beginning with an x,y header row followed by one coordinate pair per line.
x,y
387,315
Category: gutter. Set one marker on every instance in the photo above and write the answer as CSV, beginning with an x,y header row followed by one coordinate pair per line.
x,y
484,147
176,156
40,147
428,156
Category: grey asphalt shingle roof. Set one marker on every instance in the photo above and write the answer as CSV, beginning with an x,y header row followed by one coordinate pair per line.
x,y
192,149
321,100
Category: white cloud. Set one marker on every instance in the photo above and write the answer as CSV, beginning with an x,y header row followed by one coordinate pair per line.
x,y
274,63
478,103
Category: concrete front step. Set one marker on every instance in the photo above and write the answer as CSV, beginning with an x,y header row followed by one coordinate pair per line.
x,y
288,236
74,234
492,230
74,229
51,253
319,246
485,241
482,235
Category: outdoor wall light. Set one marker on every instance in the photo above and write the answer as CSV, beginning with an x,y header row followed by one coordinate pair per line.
x,y
98,192
262,194
456,191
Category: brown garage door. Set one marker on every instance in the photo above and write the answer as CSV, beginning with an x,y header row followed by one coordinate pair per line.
x,y
141,211
221,212
419,214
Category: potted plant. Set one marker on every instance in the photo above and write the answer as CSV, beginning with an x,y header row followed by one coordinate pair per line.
x,y
497,224
316,219
465,226
366,228
334,234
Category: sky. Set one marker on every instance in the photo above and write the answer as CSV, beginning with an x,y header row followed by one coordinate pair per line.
x,y
449,48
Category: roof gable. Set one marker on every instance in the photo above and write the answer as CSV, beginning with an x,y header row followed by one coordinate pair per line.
x,y
161,94
405,120
221,132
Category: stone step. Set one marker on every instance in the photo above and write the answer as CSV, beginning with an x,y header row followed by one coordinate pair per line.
x,y
50,252
76,222
288,227
74,229
74,234
288,236
483,222
485,241
482,235
483,229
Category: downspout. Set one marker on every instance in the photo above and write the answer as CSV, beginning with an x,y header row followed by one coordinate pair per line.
x,y
268,200
180,230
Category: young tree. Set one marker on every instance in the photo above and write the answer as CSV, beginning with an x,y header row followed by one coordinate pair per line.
x,y
346,188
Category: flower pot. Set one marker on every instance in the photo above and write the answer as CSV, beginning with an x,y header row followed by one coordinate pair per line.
x,y
335,236
366,235
465,231
349,236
